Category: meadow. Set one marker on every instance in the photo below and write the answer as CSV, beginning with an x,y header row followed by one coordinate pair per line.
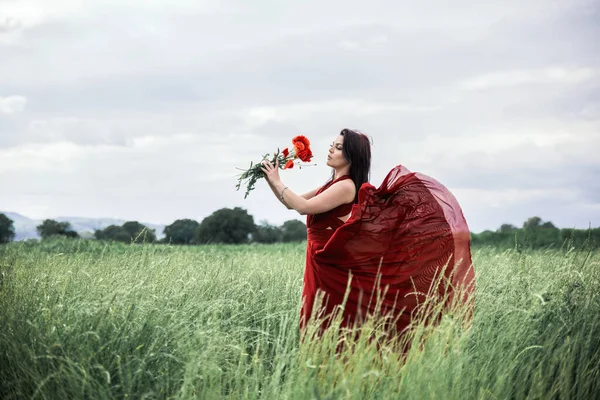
x,y
86,319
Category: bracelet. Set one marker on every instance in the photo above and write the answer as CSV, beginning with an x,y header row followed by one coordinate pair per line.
x,y
281,196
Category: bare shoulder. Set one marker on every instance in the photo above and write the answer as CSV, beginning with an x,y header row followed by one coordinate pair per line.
x,y
341,192
346,184
344,189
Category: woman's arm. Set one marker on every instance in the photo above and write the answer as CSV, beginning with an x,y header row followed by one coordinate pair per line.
x,y
307,195
339,193
278,196
310,195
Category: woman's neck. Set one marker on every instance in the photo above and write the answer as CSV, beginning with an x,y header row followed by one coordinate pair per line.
x,y
341,172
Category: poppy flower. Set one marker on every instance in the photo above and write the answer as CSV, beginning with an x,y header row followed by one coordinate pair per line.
x,y
302,148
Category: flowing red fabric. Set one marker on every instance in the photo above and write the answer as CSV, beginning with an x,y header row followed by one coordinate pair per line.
x,y
400,240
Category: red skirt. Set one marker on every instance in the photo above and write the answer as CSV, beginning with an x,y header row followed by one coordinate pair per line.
x,y
406,243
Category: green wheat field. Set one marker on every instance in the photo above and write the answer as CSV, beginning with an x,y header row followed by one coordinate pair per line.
x,y
83,319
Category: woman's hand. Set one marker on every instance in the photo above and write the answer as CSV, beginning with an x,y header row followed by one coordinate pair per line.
x,y
271,171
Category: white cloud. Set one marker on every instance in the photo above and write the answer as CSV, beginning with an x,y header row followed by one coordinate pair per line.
x,y
41,158
150,153
498,201
561,206
349,45
340,107
591,111
12,104
21,15
531,76
142,108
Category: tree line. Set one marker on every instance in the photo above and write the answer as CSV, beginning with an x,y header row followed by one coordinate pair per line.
x,y
229,226
236,226
537,234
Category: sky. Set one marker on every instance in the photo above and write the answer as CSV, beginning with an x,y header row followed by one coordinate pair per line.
x,y
143,109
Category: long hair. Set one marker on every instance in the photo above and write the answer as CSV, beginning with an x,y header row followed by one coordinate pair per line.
x,y
356,150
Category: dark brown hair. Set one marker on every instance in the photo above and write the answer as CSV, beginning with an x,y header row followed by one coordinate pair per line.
x,y
356,150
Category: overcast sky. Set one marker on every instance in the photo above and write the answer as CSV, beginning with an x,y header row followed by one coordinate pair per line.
x,y
142,109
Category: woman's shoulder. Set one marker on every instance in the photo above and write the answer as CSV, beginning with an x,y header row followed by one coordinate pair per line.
x,y
344,185
345,180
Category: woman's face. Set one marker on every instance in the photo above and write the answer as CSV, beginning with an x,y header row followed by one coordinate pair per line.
x,y
335,158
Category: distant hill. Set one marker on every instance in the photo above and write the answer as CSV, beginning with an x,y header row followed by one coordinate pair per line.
x,y
25,228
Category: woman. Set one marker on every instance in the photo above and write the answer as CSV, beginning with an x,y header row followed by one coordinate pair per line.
x,y
384,251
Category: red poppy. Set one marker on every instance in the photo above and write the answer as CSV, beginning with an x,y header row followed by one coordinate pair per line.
x,y
289,164
285,152
302,148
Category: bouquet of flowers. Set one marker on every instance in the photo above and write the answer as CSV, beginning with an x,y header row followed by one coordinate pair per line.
x,y
287,158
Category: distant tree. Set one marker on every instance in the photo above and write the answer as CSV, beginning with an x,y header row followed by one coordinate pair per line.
x,y
113,232
226,226
182,231
507,228
7,229
127,233
99,234
537,234
548,225
532,222
293,231
589,238
50,227
486,237
139,232
266,233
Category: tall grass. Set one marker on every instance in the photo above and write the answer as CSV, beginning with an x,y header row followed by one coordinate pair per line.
x,y
82,319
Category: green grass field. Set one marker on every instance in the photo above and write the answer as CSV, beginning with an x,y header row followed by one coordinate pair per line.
x,y
82,319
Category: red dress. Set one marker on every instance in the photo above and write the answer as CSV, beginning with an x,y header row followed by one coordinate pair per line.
x,y
399,240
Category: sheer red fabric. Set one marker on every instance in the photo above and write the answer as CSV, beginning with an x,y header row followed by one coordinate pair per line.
x,y
400,240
